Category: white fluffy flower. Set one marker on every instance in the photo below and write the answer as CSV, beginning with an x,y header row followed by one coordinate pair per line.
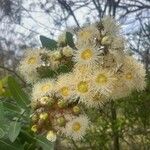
x,y
29,63
64,86
42,88
103,81
87,56
76,128
82,88
133,74
110,26
87,36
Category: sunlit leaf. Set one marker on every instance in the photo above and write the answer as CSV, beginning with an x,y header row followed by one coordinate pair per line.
x,y
11,107
18,94
14,130
2,133
44,143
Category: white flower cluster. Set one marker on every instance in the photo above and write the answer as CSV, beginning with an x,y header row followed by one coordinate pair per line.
x,y
101,71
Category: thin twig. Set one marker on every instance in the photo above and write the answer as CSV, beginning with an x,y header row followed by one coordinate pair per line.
x,y
64,4
9,70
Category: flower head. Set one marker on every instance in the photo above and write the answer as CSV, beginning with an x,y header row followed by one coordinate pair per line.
x,y
64,86
29,64
87,36
76,128
82,88
86,56
103,81
133,74
42,88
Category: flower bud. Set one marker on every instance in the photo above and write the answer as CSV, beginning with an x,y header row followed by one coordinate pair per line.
x,y
43,116
56,55
51,136
106,40
34,128
62,103
67,51
51,102
61,121
76,110
44,100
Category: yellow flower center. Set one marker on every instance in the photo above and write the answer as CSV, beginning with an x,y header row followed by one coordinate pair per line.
x,y
64,91
32,60
45,88
129,76
82,87
101,79
86,54
76,126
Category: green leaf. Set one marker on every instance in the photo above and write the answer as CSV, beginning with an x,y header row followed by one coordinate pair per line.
x,y
1,112
29,146
48,43
3,121
2,133
44,143
69,39
4,91
27,136
45,72
18,94
14,130
65,68
1,88
7,145
11,107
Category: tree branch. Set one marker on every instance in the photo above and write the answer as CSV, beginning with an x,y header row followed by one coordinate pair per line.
x,y
9,70
115,131
64,4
